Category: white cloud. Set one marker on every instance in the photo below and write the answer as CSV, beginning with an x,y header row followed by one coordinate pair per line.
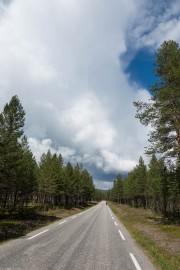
x,y
61,58
113,162
38,147
67,152
157,22
164,31
89,119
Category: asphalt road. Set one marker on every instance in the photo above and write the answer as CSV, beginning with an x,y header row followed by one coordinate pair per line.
x,y
91,240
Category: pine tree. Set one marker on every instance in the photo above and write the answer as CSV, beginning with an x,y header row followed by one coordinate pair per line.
x,y
163,109
68,184
78,189
157,183
27,175
57,164
47,177
88,188
141,176
11,133
117,190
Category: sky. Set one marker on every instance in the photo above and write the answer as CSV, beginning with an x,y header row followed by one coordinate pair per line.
x,y
77,66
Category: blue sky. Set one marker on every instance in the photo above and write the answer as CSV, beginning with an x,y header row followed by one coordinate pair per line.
x,y
141,68
77,67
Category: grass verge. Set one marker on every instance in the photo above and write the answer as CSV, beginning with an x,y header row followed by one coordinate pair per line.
x,y
161,242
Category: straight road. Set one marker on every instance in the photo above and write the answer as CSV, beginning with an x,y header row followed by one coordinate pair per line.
x,y
91,240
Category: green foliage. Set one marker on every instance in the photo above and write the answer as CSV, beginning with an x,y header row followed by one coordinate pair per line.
x,y
163,109
88,188
154,187
48,174
11,131
22,180
155,177
116,193
162,112
68,179
73,185
27,176
100,195
136,182
17,165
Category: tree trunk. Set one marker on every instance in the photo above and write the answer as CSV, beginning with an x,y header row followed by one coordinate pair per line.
x,y
15,198
5,200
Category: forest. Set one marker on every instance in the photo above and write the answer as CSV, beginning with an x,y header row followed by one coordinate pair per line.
x,y
155,186
24,182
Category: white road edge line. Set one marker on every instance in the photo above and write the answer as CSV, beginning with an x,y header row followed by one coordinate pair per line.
x,y
122,236
135,262
74,216
115,223
62,222
37,234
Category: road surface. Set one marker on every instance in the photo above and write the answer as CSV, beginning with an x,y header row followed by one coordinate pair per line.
x,y
91,240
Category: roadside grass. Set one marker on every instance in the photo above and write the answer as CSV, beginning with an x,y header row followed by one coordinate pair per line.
x,y
162,259
161,242
20,223
171,231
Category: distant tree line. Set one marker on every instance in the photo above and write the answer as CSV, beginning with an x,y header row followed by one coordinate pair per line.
x,y
101,195
23,181
154,186
157,185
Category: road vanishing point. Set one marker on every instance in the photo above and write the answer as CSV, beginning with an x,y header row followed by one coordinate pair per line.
x,y
91,240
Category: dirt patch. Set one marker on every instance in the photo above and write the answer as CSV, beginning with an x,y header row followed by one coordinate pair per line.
x,y
160,238
63,213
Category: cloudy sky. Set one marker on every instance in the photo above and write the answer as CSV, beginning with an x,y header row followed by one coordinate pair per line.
x,y
77,66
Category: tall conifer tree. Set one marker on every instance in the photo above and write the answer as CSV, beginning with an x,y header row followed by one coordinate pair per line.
x,y
11,135
163,109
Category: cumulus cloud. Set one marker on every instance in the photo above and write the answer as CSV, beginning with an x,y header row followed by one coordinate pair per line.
x,y
39,147
62,58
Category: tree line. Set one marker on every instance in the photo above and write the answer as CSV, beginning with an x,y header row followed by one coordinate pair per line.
x,y
157,185
153,186
25,182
